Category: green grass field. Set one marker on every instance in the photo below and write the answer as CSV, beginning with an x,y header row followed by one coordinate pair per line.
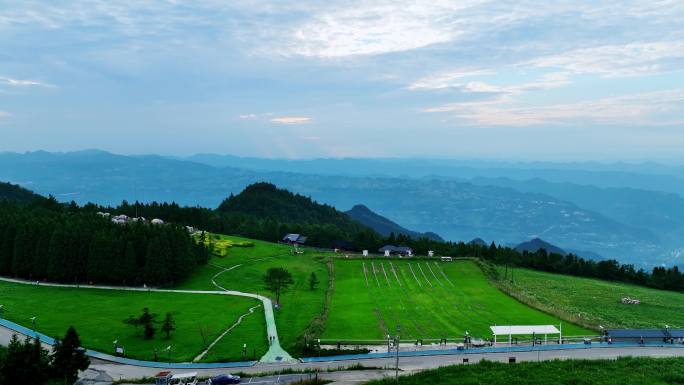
x,y
98,317
299,304
594,302
427,299
623,371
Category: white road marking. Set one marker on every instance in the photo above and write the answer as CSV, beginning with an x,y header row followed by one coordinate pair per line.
x,y
433,274
414,275
424,276
395,273
385,272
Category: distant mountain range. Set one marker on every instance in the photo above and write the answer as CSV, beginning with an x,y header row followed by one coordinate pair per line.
x,y
385,226
469,202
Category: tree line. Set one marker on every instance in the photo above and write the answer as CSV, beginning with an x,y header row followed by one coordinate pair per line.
x,y
45,240
28,363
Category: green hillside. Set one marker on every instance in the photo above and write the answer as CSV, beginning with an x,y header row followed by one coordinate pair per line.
x,y
594,302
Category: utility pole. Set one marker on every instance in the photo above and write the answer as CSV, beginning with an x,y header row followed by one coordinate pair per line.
x,y
398,341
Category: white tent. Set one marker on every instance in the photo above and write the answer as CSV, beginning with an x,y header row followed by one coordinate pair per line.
x,y
511,330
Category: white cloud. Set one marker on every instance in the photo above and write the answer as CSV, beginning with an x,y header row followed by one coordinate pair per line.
x,y
4,114
291,120
446,79
248,116
618,60
23,82
375,27
647,108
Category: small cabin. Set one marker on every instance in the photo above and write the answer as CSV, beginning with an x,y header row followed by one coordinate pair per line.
x,y
447,259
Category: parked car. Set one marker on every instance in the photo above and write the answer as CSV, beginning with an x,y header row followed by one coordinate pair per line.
x,y
224,379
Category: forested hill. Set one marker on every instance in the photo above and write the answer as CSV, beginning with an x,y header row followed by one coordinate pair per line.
x,y
15,193
46,240
385,226
267,202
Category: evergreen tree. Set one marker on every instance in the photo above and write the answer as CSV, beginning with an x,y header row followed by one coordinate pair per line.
x,y
68,357
25,363
168,325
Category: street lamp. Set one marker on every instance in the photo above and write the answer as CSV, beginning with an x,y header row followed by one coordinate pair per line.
x,y
116,345
319,347
388,343
168,351
2,310
33,323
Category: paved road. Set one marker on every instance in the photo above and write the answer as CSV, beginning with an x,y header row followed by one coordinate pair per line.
x,y
410,364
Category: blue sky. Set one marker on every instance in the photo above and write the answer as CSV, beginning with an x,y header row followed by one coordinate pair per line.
x,y
557,80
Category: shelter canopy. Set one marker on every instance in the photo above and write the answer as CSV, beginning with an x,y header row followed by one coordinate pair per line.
x,y
508,330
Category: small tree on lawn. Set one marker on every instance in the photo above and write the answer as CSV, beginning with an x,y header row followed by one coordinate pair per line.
x,y
276,280
313,281
68,357
168,325
146,320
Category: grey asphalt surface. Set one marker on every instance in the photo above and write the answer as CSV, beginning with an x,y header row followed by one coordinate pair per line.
x,y
407,365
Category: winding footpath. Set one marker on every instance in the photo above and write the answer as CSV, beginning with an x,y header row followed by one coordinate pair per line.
x,y
275,352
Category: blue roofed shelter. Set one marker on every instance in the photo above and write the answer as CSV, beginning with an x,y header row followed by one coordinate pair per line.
x,y
294,239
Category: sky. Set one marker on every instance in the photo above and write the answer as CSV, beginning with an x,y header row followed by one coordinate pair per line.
x,y
523,80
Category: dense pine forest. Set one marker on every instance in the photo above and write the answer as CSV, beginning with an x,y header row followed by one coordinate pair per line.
x,y
46,240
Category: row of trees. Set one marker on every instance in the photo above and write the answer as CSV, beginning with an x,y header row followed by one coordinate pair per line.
x,y
659,277
28,363
65,243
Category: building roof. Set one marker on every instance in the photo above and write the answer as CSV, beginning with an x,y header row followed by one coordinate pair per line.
x,y
298,238
523,329
395,249
637,333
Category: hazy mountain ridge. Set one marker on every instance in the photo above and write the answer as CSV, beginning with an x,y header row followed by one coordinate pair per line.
x,y
385,226
455,209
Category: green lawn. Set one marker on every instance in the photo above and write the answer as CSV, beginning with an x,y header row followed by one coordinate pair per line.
x,y
426,305
594,302
623,371
299,304
98,317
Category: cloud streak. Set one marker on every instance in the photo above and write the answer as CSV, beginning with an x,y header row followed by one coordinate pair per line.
x,y
291,120
642,108
619,60
23,82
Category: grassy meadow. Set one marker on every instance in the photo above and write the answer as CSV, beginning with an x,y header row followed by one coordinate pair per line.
x,y
98,317
299,304
427,299
594,302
